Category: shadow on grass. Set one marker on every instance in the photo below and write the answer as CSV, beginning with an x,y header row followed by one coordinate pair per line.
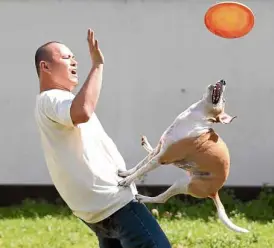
x,y
35,209
260,210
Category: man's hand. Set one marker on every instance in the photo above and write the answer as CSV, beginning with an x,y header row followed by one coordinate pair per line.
x,y
95,53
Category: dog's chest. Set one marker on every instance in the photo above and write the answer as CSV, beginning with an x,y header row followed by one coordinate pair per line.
x,y
183,129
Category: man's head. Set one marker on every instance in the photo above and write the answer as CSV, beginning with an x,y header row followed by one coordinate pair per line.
x,y
215,103
56,66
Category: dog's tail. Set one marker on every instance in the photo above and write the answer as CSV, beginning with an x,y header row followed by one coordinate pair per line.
x,y
223,216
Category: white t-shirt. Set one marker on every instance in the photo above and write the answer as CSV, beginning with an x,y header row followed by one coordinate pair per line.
x,y
82,160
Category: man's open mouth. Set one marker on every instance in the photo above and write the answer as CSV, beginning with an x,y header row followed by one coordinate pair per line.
x,y
74,71
216,93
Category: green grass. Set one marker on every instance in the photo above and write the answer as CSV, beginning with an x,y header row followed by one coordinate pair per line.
x,y
42,225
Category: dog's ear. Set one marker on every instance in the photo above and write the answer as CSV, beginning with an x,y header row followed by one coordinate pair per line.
x,y
212,119
222,118
225,118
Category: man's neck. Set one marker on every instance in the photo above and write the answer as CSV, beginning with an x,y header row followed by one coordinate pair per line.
x,y
56,87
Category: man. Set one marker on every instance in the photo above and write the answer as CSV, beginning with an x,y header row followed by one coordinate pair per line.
x,y
82,160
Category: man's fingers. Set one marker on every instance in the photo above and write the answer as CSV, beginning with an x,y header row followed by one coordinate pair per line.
x,y
95,53
96,45
88,36
91,36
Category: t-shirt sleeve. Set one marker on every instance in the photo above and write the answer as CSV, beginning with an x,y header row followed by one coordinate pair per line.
x,y
57,109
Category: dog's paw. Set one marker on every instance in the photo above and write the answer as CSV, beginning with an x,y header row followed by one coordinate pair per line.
x,y
122,173
125,182
143,140
142,198
139,198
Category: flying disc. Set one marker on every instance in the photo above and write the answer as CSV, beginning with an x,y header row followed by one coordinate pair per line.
x,y
229,20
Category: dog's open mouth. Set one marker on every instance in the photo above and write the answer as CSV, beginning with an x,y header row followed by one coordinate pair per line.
x,y
216,93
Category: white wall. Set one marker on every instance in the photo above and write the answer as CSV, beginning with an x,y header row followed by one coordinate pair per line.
x,y
153,50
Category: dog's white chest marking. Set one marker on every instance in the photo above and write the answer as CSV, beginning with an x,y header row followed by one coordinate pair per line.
x,y
190,123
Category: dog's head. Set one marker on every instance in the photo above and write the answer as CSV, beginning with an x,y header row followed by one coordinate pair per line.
x,y
214,104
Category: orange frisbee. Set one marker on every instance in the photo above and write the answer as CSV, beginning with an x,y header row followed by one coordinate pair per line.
x,y
229,20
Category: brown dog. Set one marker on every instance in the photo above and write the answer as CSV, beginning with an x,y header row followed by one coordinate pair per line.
x,y
190,143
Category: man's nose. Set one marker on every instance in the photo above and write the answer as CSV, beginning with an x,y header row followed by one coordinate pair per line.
x,y
74,62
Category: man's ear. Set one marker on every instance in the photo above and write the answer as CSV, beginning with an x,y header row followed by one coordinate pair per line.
x,y
44,66
225,118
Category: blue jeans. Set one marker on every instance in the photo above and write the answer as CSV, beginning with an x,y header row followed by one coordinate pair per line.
x,y
133,226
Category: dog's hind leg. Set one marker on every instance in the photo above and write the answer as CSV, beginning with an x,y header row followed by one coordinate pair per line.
x,y
179,187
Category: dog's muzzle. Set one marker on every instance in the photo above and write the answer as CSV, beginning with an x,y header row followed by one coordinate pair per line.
x,y
217,91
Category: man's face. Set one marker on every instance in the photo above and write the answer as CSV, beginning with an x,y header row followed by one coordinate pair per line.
x,y
63,66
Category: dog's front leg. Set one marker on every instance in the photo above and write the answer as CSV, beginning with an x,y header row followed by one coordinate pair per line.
x,y
151,165
152,153
179,187
145,144
135,168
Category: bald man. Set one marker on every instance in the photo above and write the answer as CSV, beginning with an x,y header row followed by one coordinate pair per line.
x,y
82,159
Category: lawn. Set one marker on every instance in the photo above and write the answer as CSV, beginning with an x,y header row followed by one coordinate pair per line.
x,y
43,225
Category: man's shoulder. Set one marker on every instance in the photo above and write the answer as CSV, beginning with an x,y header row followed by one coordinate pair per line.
x,y
55,94
54,105
53,97
50,99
